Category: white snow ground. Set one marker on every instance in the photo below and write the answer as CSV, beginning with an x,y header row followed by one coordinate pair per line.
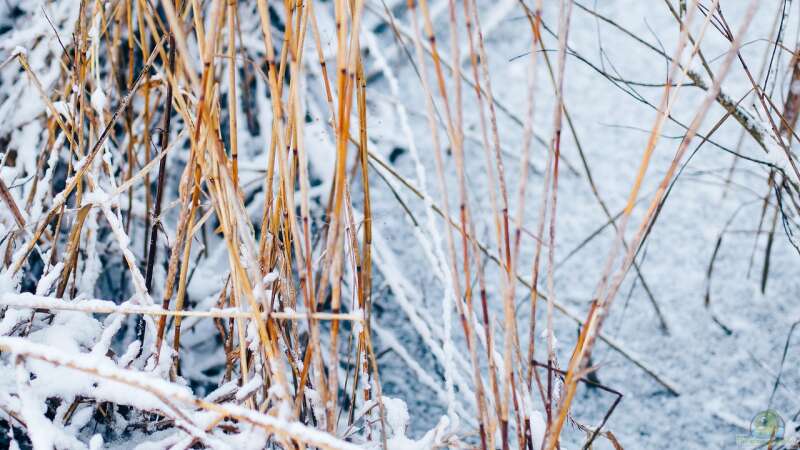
x,y
724,380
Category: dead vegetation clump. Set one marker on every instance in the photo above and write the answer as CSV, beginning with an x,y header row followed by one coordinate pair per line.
x,y
188,251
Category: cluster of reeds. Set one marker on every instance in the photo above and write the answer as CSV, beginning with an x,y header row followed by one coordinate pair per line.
x,y
168,144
